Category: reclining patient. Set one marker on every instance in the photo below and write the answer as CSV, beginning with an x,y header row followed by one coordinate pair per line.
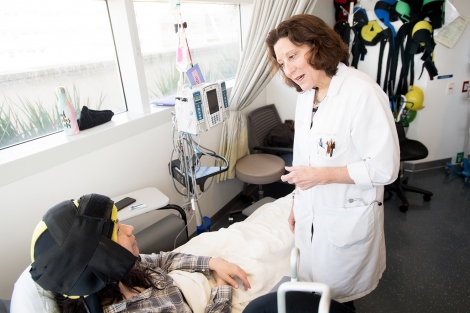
x,y
91,261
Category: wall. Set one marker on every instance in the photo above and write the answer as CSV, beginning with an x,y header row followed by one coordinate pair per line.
x,y
441,125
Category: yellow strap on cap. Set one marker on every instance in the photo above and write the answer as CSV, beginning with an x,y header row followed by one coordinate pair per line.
x,y
114,214
40,228
370,31
421,25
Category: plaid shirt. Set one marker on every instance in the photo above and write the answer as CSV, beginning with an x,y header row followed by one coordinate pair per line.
x,y
167,297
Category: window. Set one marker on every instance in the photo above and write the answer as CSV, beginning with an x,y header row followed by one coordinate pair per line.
x,y
69,43
52,43
213,35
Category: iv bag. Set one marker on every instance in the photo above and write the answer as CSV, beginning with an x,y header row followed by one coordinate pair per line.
x,y
182,63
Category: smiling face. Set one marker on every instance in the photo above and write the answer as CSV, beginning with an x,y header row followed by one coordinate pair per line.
x,y
126,239
310,35
293,62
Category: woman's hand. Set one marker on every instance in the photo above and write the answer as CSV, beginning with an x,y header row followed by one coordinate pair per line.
x,y
306,177
225,271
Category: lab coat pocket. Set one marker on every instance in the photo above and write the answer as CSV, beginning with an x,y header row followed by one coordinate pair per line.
x,y
349,226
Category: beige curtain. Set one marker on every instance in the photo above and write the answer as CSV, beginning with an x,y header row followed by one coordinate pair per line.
x,y
253,75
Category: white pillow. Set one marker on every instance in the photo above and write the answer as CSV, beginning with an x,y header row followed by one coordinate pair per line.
x,y
30,297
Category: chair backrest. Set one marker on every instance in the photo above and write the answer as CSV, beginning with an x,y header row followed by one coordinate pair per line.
x,y
400,131
260,122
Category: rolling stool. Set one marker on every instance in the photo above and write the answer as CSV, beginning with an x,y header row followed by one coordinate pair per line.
x,y
259,169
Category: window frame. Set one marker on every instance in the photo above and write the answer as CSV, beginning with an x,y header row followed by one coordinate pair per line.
x,y
37,155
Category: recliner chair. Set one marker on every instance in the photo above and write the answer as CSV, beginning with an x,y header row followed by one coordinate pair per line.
x,y
410,150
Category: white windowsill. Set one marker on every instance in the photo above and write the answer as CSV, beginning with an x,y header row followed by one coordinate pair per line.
x,y
38,155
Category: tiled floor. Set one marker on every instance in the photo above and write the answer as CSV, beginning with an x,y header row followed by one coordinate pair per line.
x,y
428,248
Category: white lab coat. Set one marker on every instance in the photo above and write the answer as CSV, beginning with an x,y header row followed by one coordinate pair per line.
x,y
347,250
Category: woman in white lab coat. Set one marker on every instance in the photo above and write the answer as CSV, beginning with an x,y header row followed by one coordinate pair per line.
x,y
345,150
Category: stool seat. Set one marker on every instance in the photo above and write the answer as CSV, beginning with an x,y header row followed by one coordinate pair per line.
x,y
260,168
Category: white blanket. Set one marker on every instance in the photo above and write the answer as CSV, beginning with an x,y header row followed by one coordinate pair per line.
x,y
261,245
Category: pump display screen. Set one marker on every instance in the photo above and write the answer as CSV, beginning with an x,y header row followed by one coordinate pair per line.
x,y
212,101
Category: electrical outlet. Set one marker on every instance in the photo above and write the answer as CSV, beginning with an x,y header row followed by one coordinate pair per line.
x,y
450,88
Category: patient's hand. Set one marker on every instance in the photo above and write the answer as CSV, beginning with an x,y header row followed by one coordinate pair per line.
x,y
291,220
219,281
225,271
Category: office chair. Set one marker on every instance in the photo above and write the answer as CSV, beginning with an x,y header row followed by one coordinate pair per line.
x,y
261,122
262,166
410,150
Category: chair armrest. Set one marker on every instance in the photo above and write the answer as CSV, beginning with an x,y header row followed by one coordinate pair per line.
x,y
164,235
180,211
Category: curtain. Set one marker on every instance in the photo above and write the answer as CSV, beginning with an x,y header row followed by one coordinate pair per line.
x,y
253,75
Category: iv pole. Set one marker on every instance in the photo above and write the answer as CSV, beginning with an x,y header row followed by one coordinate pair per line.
x,y
184,140
186,169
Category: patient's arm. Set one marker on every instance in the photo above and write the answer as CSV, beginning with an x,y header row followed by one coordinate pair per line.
x,y
221,298
226,271
170,261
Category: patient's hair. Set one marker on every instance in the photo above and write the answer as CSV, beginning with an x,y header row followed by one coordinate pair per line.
x,y
110,293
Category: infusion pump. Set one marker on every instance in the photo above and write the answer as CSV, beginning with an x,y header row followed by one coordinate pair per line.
x,y
201,107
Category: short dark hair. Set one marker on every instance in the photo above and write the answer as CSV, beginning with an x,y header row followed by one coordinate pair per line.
x,y
327,48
